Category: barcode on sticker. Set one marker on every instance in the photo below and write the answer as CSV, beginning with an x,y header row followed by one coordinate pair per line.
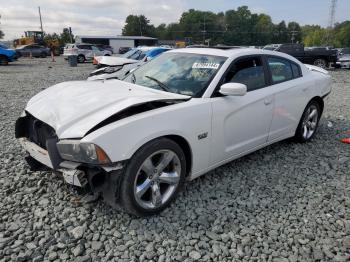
x,y
205,66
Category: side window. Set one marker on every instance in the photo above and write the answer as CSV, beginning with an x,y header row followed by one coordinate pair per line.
x,y
296,70
248,71
280,68
86,47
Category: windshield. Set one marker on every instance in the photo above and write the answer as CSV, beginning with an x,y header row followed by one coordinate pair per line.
x,y
182,73
3,46
129,53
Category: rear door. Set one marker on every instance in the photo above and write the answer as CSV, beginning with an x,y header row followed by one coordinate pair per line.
x,y
291,96
85,50
26,50
242,123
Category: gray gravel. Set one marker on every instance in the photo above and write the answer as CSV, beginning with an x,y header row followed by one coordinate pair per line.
x,y
287,202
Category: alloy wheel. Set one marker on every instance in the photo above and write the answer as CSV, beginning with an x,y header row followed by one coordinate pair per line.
x,y
310,122
157,179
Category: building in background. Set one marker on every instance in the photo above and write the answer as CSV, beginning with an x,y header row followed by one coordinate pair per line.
x,y
117,42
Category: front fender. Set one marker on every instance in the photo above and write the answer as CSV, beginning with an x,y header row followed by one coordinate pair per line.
x,y
189,120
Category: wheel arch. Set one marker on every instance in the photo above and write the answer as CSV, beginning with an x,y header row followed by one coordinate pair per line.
x,y
185,146
319,100
182,142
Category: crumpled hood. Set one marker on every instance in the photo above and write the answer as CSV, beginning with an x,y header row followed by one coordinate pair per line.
x,y
114,61
73,108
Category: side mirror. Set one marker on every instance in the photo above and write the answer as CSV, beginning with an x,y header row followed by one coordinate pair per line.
x,y
148,59
233,89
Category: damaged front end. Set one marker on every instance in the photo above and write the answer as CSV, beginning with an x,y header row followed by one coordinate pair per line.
x,y
82,165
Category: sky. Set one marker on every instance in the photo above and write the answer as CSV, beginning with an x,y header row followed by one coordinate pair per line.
x,y
107,17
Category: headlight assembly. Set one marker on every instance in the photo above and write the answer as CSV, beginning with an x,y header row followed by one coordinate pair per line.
x,y
112,69
82,152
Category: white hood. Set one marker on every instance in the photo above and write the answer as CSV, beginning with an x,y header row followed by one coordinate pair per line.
x,y
73,108
114,60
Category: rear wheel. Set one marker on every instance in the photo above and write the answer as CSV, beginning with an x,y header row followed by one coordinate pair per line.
x,y
81,59
3,61
153,177
309,122
320,62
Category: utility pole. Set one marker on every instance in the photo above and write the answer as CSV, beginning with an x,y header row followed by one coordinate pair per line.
x,y
293,35
70,35
41,23
331,20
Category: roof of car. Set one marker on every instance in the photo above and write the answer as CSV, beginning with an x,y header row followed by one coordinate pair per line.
x,y
231,52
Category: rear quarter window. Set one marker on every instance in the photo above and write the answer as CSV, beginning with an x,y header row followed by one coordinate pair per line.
x,y
280,69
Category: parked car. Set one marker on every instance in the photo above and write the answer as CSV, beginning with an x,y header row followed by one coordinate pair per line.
x,y
175,118
320,56
343,58
344,61
133,59
7,55
34,50
84,52
105,47
114,72
123,50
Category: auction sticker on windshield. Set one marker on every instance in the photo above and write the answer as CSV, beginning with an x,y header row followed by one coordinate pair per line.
x,y
205,66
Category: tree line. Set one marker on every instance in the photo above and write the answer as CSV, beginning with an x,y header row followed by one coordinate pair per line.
x,y
237,27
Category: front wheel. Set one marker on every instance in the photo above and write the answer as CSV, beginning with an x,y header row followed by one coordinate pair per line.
x,y
3,61
309,122
153,177
81,59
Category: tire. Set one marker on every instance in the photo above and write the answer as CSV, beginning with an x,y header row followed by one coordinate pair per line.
x,y
3,61
154,193
308,124
43,55
81,58
320,62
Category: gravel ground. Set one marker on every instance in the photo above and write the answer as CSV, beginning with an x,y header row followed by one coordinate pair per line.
x,y
287,202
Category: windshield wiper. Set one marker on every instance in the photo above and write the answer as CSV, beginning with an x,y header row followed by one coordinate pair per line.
x,y
133,78
160,84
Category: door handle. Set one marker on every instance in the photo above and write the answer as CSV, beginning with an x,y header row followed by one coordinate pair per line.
x,y
268,101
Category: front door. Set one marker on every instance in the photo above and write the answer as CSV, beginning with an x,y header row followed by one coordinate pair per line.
x,y
242,123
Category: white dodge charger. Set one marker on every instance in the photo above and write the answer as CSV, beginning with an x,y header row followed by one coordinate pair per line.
x,y
135,142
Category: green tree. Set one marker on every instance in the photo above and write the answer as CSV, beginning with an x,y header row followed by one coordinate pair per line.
x,y
263,30
313,35
294,32
342,34
281,34
65,37
138,25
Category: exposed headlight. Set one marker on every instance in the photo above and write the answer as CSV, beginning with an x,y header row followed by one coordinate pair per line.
x,y
82,152
112,69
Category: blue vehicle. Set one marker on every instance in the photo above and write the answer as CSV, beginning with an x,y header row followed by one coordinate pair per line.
x,y
7,55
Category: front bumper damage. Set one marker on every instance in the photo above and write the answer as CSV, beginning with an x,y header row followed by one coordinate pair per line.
x,y
39,141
